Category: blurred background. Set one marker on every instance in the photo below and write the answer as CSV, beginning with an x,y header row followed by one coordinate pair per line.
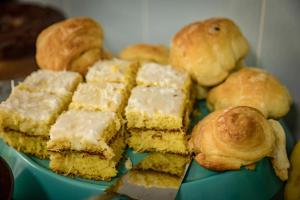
x,y
272,28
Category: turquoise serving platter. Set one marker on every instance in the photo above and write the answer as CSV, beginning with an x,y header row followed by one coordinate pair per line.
x,y
34,180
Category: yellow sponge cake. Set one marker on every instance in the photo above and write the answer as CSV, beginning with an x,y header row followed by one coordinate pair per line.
x,y
156,108
85,131
100,97
31,112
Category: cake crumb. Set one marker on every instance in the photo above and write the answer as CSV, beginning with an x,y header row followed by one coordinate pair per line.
x,y
128,164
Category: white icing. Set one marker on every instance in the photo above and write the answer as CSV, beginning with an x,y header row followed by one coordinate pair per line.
x,y
34,105
58,82
161,75
82,127
155,100
105,96
114,70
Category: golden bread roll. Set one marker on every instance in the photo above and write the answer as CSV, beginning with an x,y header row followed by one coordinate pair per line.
x,y
292,187
73,44
209,50
279,159
231,138
146,53
251,87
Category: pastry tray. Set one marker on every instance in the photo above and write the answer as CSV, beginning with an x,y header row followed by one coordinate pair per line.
x,y
34,180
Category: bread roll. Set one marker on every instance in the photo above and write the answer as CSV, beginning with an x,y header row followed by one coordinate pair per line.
x,y
73,44
209,50
146,53
231,138
251,87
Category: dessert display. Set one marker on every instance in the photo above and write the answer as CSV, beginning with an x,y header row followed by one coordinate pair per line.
x,y
73,44
146,53
33,107
251,87
209,50
140,100
17,46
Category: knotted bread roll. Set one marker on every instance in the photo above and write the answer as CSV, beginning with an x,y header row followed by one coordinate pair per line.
x,y
73,44
209,50
240,136
146,53
251,87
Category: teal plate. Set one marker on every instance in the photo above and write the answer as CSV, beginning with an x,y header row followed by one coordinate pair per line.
x,y
34,180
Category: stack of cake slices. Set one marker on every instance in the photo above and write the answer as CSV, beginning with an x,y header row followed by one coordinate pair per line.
x,y
157,117
88,139
33,106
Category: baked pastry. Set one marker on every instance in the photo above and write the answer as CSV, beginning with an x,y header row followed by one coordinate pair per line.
x,y
292,191
231,138
239,136
279,159
146,53
251,87
209,50
74,44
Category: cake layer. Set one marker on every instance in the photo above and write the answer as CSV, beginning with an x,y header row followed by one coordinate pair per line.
x,y
113,71
153,74
87,165
155,107
85,131
31,112
100,97
173,164
158,141
36,146
56,82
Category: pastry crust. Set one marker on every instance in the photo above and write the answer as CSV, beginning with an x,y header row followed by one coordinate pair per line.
x,y
251,87
73,44
209,50
146,53
231,138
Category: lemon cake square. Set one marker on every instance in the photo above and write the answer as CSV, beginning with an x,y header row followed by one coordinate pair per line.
x,y
84,131
114,71
86,165
33,145
100,97
31,112
61,83
153,74
164,141
156,108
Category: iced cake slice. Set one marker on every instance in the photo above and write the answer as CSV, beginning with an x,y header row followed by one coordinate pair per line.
x,y
84,131
87,165
31,112
61,83
153,74
156,108
100,97
34,145
113,71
